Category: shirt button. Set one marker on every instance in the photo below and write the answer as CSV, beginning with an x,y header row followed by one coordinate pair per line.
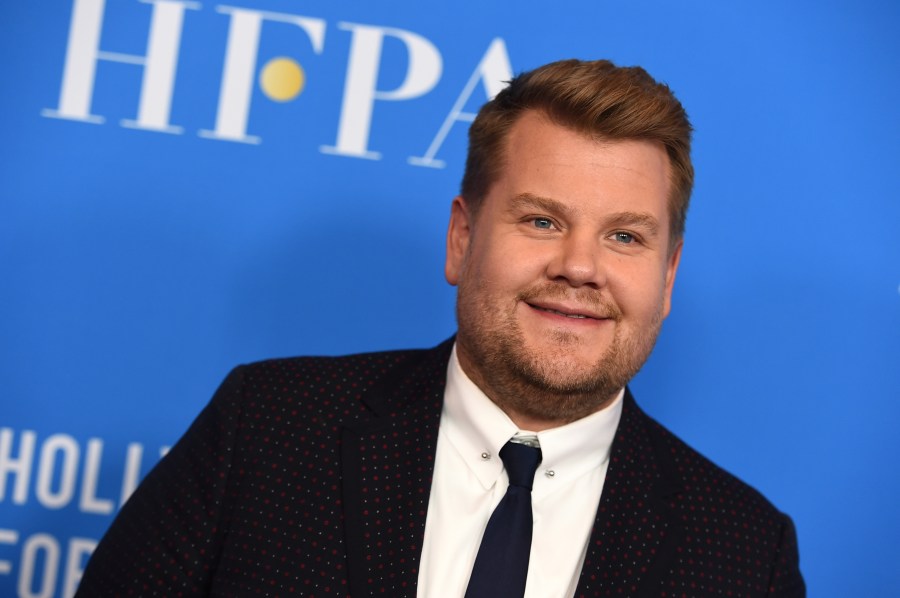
x,y
549,473
485,456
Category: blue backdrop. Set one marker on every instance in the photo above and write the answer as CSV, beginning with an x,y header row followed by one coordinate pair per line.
x,y
188,185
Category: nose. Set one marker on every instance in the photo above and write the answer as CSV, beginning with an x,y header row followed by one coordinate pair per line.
x,y
577,261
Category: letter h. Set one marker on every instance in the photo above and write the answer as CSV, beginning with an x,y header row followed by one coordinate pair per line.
x,y
20,467
159,64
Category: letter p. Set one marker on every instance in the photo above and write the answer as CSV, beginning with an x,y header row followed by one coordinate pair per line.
x,y
360,92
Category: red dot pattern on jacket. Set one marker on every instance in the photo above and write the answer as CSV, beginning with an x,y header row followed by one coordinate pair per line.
x,y
310,477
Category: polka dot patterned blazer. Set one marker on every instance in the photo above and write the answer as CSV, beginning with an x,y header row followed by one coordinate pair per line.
x,y
311,476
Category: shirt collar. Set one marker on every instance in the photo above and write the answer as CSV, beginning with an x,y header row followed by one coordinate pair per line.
x,y
478,429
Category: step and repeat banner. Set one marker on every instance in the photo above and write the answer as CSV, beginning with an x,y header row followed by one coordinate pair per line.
x,y
192,184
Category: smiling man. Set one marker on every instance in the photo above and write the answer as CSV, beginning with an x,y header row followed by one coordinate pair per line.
x,y
565,271
509,461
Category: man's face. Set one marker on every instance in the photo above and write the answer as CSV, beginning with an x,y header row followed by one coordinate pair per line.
x,y
565,275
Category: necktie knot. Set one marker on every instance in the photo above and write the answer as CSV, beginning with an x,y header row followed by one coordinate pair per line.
x,y
521,463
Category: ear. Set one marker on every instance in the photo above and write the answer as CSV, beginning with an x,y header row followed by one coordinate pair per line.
x,y
459,235
671,270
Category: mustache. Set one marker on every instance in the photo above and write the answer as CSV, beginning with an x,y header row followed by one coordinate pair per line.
x,y
591,299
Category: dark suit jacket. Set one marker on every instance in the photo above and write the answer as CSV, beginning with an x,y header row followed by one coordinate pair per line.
x,y
311,477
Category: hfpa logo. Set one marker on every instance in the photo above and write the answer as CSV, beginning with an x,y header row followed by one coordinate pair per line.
x,y
281,79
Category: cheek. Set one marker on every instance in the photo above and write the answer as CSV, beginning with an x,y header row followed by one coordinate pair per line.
x,y
506,264
640,293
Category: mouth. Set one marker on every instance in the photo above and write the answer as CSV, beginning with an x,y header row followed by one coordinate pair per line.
x,y
559,313
571,313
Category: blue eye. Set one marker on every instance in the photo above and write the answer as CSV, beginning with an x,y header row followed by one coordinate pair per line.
x,y
543,223
622,237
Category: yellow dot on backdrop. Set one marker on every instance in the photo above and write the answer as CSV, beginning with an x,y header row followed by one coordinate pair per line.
x,y
282,79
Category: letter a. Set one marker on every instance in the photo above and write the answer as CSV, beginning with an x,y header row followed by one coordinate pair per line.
x,y
494,72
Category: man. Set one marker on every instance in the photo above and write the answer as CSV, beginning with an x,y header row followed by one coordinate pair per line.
x,y
396,473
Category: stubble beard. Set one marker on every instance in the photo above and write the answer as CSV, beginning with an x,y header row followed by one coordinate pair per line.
x,y
545,385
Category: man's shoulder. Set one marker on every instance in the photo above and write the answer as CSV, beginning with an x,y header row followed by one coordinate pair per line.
x,y
697,480
337,383
721,526
370,367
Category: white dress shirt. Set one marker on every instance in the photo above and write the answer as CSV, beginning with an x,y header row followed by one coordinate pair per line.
x,y
469,480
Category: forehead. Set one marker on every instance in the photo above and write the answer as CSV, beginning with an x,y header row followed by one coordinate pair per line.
x,y
549,160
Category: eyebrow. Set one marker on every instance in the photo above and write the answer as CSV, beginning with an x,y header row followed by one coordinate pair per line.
x,y
642,220
636,219
544,204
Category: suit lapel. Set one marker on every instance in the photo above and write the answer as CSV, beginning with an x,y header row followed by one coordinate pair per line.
x,y
633,525
388,463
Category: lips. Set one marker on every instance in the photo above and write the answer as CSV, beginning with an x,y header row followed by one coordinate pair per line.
x,y
577,305
559,313
575,313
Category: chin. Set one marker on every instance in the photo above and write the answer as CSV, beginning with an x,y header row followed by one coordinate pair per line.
x,y
568,359
562,374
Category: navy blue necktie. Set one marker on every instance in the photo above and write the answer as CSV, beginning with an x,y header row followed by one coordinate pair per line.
x,y
501,566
